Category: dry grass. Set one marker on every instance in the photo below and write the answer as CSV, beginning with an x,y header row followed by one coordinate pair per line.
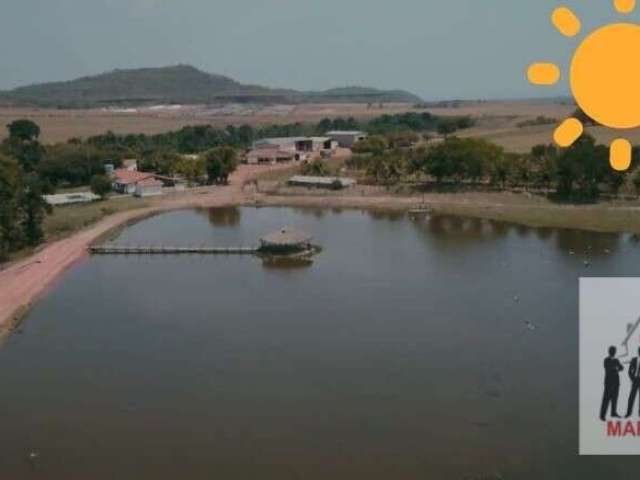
x,y
68,219
61,125
497,120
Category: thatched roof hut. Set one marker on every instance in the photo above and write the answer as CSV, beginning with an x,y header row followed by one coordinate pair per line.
x,y
286,239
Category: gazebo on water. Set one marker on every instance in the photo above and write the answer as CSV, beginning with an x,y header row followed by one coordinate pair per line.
x,y
286,240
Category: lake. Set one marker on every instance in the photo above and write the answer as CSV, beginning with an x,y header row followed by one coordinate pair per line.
x,y
436,348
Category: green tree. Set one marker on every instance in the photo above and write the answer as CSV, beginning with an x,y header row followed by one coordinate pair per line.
x,y
500,171
24,130
193,170
459,159
220,163
316,168
101,185
581,167
402,139
387,168
22,144
375,144
74,165
10,185
162,161
33,208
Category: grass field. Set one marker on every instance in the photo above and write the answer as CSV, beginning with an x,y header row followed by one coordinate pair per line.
x,y
68,219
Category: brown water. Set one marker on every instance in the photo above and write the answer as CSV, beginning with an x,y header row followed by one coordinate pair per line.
x,y
402,352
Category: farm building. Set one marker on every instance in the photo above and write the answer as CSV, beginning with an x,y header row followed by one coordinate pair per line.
x,y
321,182
149,187
269,156
346,138
125,181
288,149
297,144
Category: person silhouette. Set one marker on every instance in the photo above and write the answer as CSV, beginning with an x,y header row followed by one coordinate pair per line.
x,y
612,368
634,376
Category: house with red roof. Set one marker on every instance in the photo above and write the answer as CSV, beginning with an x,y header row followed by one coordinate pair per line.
x,y
125,181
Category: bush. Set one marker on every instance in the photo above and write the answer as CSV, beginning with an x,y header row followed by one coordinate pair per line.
x,y
317,168
100,185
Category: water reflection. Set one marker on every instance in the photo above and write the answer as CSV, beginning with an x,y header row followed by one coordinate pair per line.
x,y
271,262
389,215
221,217
314,212
454,231
588,244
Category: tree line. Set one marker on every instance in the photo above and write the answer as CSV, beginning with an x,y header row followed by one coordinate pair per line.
x,y
199,138
580,173
22,208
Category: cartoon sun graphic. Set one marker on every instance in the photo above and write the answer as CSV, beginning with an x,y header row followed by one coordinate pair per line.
x,y
604,76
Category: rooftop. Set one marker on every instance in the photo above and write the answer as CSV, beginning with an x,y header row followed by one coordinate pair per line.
x,y
286,236
345,132
281,140
150,182
128,176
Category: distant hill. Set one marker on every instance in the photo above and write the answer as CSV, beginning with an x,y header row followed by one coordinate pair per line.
x,y
181,84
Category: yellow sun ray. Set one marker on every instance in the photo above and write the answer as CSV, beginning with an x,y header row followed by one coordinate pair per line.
x,y
543,74
567,22
625,6
620,154
568,132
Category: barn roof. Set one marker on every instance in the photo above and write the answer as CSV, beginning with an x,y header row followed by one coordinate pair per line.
x,y
345,132
126,177
286,236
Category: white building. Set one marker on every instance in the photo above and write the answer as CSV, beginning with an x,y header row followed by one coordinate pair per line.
x,y
321,182
297,144
70,198
288,149
347,138
148,188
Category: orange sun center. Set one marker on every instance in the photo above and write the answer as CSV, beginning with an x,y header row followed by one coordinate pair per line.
x,y
605,75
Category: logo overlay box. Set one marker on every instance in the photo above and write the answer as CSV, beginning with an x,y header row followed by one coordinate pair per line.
x,y
609,366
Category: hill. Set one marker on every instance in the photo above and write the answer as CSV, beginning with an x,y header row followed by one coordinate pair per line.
x,y
181,84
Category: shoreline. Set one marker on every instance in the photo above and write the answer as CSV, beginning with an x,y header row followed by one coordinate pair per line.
x,y
621,217
24,282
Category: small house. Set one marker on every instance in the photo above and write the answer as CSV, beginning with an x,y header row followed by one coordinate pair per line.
x,y
125,181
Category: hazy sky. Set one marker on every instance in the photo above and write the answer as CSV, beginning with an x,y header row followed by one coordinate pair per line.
x,y
435,48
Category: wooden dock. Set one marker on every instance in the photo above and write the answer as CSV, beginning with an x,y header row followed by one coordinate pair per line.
x,y
151,250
